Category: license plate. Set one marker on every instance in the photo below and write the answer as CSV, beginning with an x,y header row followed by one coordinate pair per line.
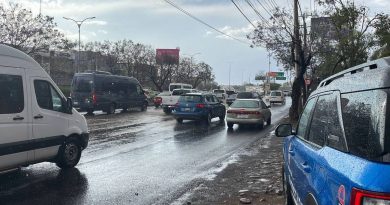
x,y
186,109
242,116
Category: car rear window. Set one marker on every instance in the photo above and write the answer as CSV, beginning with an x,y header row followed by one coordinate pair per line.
x,y
276,93
219,91
180,92
190,98
364,118
82,84
245,95
245,104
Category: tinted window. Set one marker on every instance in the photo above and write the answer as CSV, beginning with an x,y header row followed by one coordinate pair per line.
x,y
305,117
245,95
364,116
325,124
229,92
245,104
47,97
11,94
190,98
82,84
276,93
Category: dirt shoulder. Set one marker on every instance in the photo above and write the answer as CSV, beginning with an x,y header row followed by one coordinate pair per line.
x,y
255,178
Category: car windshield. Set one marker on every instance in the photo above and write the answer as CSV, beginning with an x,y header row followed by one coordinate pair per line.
x,y
245,104
190,98
82,84
245,95
276,93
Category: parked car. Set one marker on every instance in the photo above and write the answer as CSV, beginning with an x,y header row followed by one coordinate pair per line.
x,y
340,153
168,102
197,106
37,122
248,111
231,99
277,96
103,91
220,93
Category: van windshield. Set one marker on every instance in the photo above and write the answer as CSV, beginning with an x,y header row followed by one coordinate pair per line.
x,y
82,84
276,93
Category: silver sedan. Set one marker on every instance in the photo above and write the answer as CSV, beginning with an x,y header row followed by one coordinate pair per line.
x,y
248,111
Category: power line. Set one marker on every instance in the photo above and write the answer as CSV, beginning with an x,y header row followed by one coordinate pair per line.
x,y
204,23
243,14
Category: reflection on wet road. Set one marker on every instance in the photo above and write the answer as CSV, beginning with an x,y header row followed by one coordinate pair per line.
x,y
133,158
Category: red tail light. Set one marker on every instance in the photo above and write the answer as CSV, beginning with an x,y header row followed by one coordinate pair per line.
x,y
94,100
360,197
157,99
200,105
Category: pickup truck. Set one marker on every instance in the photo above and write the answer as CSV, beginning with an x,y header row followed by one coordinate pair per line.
x,y
168,102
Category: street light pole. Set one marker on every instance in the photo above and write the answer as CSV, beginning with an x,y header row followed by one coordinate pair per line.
x,y
79,23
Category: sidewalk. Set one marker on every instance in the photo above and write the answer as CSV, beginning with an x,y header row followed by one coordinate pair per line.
x,y
255,178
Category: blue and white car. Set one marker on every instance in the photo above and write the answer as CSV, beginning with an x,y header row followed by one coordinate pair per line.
x,y
340,152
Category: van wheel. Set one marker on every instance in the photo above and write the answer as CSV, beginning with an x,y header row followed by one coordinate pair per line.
x,y
111,109
167,111
179,120
90,112
69,154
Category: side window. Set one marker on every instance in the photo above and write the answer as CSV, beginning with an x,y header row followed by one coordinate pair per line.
x,y
139,90
11,92
47,97
305,117
325,125
132,89
215,98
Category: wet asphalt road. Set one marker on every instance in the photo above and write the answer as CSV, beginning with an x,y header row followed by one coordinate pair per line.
x,y
133,158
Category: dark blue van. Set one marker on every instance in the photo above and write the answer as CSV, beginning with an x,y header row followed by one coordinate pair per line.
x,y
93,91
340,152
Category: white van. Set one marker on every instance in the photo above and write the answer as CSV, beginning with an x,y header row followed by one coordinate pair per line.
x,y
37,123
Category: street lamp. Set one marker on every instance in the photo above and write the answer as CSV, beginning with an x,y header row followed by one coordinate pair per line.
x,y
79,25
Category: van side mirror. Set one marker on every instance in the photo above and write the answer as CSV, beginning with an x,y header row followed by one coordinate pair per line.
x,y
69,105
284,130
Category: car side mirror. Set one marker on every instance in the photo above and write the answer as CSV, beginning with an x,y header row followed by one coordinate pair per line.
x,y
284,130
69,105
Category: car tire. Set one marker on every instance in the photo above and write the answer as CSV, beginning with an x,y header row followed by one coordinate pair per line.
x,y
179,120
269,121
230,125
90,111
69,154
261,125
144,107
222,118
287,189
208,118
167,111
111,109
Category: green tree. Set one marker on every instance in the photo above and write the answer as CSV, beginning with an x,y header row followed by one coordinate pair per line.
x,y
20,29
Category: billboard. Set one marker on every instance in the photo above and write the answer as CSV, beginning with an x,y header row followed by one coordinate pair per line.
x,y
167,56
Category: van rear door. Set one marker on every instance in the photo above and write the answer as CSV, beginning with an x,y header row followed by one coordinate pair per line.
x,y
82,90
14,119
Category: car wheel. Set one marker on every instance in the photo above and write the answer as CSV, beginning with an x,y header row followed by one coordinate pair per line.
x,y
261,125
222,118
124,109
269,121
167,111
286,188
90,112
179,120
111,109
144,107
230,125
69,154
208,119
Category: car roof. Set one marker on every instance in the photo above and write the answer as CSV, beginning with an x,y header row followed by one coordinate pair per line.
x,y
355,78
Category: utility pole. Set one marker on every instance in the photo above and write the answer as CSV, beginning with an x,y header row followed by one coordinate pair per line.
x,y
296,38
230,70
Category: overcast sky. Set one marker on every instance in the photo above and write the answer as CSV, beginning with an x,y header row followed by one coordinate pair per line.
x,y
156,23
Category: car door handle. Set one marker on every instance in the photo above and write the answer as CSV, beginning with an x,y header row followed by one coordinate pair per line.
x,y
291,152
18,118
306,167
38,117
